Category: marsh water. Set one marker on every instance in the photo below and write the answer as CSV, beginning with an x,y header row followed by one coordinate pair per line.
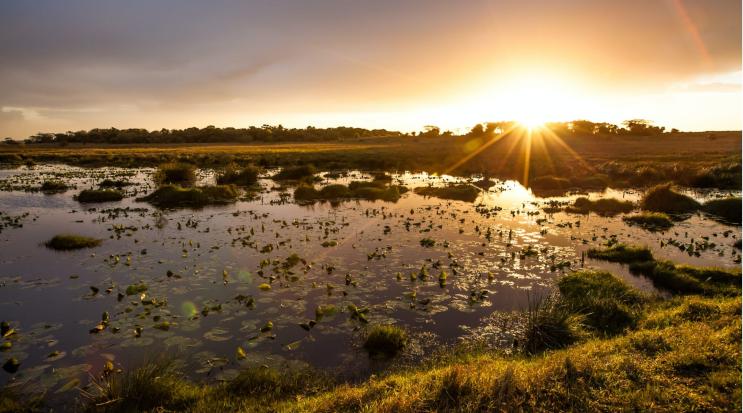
x,y
201,267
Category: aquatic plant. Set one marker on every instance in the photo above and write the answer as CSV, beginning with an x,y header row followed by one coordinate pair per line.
x,y
728,209
175,172
67,242
385,340
94,195
234,174
622,253
662,198
173,195
654,221
461,192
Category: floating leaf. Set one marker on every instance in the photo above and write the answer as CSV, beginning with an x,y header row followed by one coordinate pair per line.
x,y
69,385
240,353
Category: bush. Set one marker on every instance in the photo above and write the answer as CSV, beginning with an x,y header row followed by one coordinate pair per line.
x,y
654,221
234,174
67,242
622,253
175,172
173,195
385,340
93,195
728,209
662,198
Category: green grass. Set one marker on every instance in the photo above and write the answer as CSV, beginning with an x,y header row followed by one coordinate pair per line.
x,y
622,253
609,304
95,195
653,221
728,209
11,401
461,192
662,198
686,279
548,324
172,195
235,174
67,242
53,186
606,206
385,340
175,172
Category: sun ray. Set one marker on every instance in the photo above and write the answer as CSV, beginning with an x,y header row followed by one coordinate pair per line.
x,y
480,149
527,158
510,150
562,143
547,156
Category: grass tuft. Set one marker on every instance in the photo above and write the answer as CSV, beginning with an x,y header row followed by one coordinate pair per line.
x,y
67,242
461,192
606,206
728,209
622,253
653,221
385,340
234,174
295,172
175,172
94,195
54,186
549,324
172,195
662,198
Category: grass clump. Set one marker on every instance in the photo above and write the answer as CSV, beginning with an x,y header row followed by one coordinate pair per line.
x,y
601,206
295,172
110,183
234,174
608,303
654,221
548,324
363,190
622,253
662,198
54,186
728,209
95,195
175,172
685,279
460,192
67,242
11,400
549,183
385,340
173,195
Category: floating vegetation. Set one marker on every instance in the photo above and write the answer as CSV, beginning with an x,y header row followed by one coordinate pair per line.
x,y
95,195
662,198
461,192
172,195
67,242
604,206
385,340
652,221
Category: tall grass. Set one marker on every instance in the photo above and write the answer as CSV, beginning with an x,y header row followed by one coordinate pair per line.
x,y
662,198
235,174
179,172
549,324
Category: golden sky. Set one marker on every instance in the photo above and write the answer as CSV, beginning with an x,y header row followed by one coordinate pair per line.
x,y
394,64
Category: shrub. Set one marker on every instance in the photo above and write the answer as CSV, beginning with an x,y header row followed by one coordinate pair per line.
x,y
622,253
385,340
93,195
175,172
67,242
662,198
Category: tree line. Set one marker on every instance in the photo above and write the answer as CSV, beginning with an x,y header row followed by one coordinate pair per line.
x,y
271,134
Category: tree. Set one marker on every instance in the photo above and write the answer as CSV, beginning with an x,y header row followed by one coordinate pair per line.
x,y
431,131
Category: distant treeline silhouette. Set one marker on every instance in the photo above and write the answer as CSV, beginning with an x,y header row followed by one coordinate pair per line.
x,y
272,134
